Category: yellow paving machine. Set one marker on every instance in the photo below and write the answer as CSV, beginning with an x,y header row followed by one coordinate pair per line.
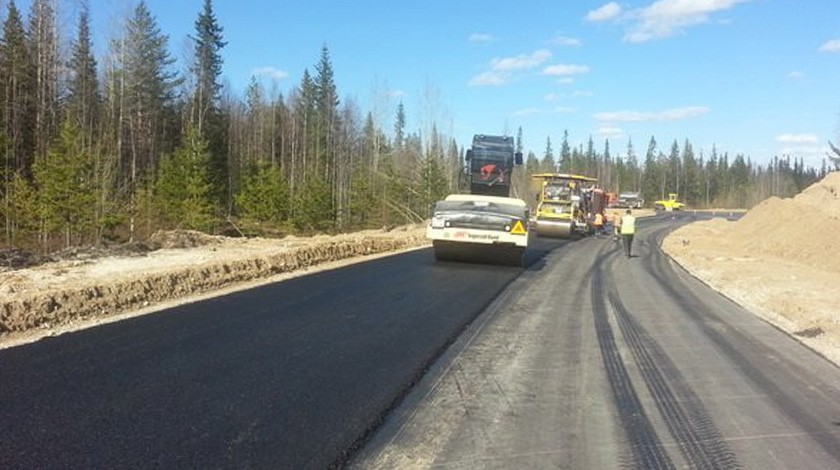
x,y
566,204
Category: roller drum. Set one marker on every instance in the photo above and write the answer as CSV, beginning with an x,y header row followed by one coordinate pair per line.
x,y
555,229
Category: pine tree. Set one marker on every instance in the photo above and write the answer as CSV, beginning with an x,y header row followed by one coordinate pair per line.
x,y
16,72
66,190
652,174
264,197
149,92
43,44
16,115
22,210
314,206
566,154
206,115
548,164
83,98
399,127
183,192
326,102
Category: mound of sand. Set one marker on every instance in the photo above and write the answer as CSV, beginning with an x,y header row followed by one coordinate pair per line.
x,y
803,229
781,260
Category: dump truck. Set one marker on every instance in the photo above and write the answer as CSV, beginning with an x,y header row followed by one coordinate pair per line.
x,y
670,204
485,225
566,203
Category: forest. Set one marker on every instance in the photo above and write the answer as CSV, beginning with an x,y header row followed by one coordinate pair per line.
x,y
111,149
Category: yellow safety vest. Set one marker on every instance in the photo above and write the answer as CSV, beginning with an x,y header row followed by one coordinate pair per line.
x,y
628,225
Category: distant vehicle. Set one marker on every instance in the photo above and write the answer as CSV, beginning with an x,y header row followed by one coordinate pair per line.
x,y
670,204
630,200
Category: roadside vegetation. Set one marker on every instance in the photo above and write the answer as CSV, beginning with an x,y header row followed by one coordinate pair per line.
x,y
111,149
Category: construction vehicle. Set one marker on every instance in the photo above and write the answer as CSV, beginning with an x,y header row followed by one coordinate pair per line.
x,y
670,204
486,225
565,204
630,200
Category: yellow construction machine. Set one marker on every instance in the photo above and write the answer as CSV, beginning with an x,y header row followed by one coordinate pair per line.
x,y
670,204
565,204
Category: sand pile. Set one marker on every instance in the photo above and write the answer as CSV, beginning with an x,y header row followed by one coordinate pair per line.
x,y
781,261
803,229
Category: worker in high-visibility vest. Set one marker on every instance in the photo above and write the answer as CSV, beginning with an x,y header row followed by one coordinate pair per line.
x,y
628,229
599,224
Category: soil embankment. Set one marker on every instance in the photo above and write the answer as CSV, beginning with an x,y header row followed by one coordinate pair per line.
x,y
73,293
781,260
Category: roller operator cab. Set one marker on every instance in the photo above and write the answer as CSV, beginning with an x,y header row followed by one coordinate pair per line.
x,y
490,163
485,225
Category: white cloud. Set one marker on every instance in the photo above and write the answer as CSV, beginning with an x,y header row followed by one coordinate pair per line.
x,y
527,112
562,70
553,97
607,12
675,114
831,46
271,72
395,93
502,67
582,94
664,18
795,75
797,138
522,61
490,78
564,109
565,41
610,132
480,38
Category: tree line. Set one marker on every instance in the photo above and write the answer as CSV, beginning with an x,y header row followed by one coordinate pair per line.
x,y
716,180
114,148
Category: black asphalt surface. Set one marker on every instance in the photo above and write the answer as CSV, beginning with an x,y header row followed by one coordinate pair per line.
x,y
585,359
596,360
290,375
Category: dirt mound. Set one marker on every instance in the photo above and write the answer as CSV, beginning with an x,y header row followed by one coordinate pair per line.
x,y
823,196
779,261
802,229
182,239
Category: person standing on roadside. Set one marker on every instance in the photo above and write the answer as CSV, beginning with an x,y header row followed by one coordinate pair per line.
x,y
628,229
616,226
599,224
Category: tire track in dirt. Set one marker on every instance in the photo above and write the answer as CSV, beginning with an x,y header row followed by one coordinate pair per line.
x,y
778,380
645,446
688,422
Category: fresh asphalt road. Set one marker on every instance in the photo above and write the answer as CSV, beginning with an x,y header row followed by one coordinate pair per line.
x,y
290,375
595,360
585,359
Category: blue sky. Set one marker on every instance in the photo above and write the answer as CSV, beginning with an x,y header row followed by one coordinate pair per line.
x,y
756,77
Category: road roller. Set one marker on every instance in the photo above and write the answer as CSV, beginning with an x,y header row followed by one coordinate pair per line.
x,y
566,204
486,225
